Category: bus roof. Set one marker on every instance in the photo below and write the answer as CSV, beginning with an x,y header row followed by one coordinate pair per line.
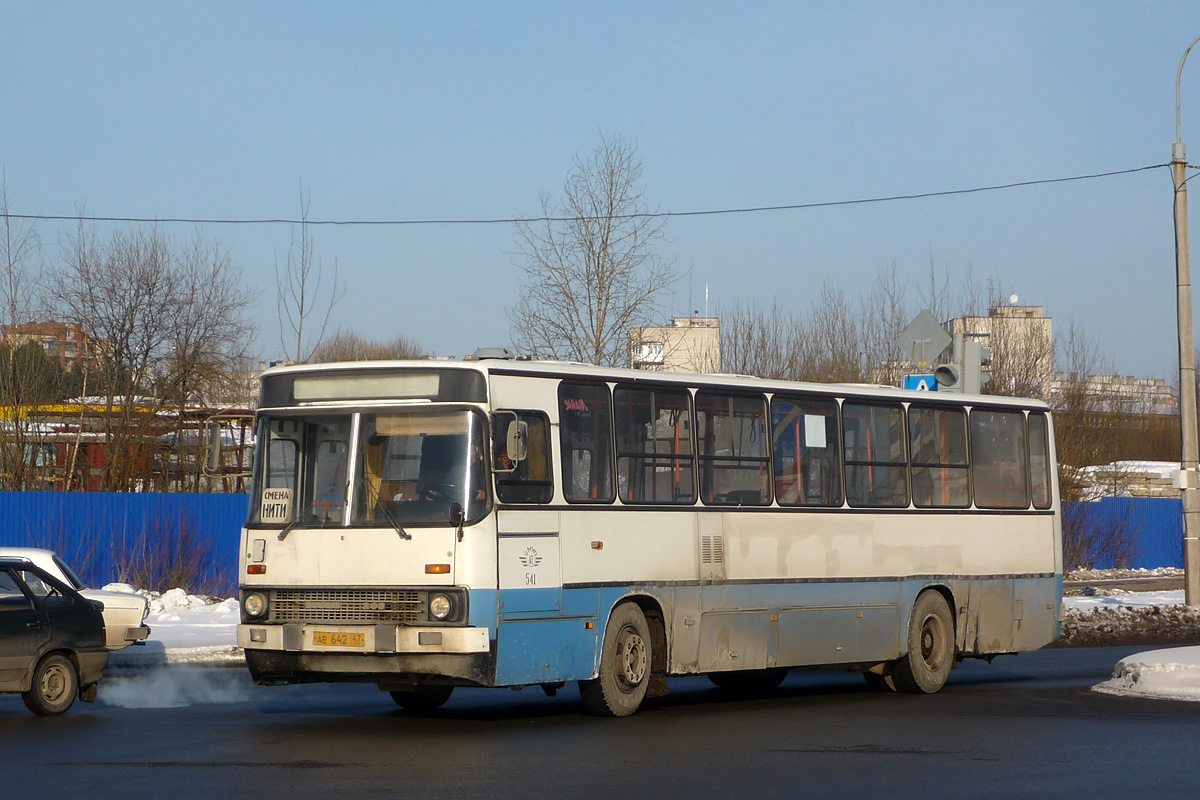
x,y
578,371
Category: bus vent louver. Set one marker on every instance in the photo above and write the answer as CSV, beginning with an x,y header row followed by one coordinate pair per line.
x,y
399,606
712,549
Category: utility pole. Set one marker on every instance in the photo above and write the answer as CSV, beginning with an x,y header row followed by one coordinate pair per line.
x,y
1189,476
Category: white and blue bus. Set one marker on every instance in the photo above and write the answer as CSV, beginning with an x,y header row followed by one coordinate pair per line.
x,y
429,524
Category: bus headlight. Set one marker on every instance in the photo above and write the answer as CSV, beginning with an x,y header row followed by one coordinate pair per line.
x,y
255,604
440,607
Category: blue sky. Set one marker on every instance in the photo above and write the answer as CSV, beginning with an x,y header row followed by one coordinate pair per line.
x,y
410,111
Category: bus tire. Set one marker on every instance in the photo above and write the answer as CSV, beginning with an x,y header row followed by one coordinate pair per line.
x,y
625,661
926,666
749,681
422,698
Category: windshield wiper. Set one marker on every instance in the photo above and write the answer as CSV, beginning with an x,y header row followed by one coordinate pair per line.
x,y
392,520
305,515
382,505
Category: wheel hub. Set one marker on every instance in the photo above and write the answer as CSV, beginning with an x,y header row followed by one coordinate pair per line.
x,y
54,684
931,643
631,658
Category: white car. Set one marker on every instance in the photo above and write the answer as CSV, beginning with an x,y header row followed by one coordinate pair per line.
x,y
124,613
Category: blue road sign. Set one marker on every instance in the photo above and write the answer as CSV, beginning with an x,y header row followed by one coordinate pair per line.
x,y
920,383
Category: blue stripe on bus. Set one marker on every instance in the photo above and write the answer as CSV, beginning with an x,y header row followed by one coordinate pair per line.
x,y
544,644
482,609
538,602
545,651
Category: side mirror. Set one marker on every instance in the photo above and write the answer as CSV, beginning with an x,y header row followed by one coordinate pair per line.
x,y
213,437
456,519
518,440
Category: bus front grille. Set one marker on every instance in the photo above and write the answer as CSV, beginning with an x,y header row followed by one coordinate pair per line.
x,y
399,606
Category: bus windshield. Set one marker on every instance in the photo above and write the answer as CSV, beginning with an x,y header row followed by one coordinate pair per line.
x,y
411,468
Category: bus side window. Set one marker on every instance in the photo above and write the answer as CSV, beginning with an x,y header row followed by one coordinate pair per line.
x,y
998,461
804,438
529,481
1039,460
732,444
937,440
876,467
585,435
655,463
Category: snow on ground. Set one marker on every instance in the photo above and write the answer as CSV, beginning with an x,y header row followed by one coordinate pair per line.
x,y
185,629
1122,574
1119,598
179,620
1172,674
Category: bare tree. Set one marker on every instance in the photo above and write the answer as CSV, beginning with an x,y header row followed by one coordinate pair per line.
x,y
163,323
349,346
766,343
27,376
590,270
951,293
211,333
303,304
1021,348
1090,417
824,347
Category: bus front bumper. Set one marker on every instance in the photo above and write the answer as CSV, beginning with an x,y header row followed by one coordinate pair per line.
x,y
390,656
374,639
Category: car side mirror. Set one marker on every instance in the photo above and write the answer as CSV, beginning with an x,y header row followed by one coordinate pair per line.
x,y
457,517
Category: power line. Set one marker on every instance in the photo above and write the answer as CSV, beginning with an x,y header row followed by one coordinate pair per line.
x,y
640,215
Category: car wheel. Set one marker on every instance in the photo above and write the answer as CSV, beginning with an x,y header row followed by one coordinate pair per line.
x,y
55,684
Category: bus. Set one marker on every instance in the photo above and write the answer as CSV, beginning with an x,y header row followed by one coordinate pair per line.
x,y
424,525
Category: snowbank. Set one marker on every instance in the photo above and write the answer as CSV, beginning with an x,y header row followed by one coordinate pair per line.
x,y
1164,674
186,629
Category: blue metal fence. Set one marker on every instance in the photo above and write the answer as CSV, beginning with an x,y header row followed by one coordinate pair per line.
x,y
108,536
1154,524
111,536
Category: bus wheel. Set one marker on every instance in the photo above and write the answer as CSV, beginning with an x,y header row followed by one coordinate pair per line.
x,y
624,665
749,681
924,669
422,698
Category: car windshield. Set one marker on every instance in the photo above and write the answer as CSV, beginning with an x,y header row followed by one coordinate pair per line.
x,y
411,469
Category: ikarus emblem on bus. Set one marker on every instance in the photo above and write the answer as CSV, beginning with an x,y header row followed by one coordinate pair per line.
x,y
276,506
529,562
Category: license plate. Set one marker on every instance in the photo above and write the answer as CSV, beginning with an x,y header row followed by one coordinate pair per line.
x,y
338,639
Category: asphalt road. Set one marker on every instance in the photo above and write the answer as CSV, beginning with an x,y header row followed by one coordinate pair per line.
x,y
1026,726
